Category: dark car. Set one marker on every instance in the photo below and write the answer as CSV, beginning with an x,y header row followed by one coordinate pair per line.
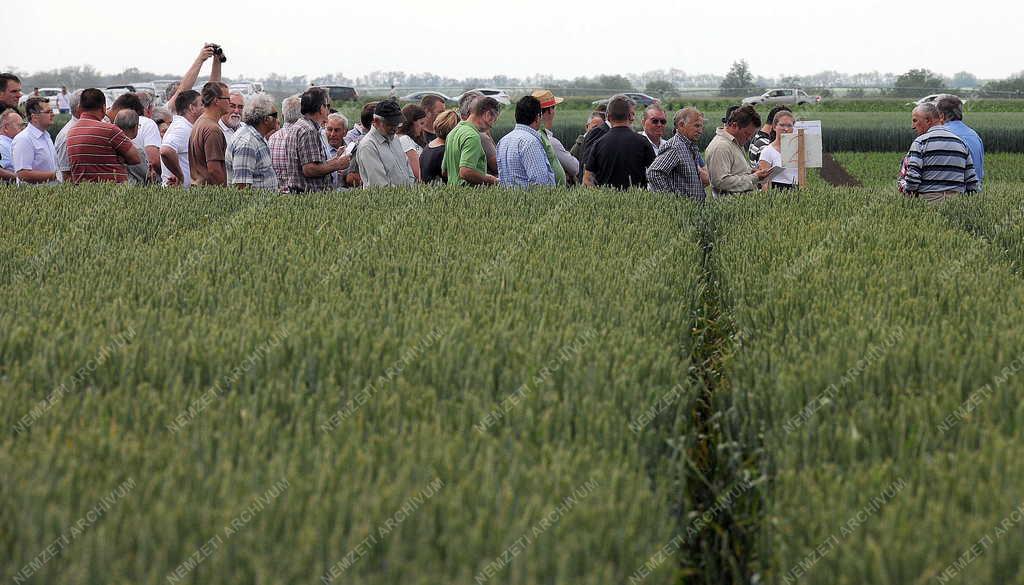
x,y
341,93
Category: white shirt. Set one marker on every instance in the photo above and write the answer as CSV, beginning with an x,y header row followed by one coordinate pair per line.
x,y
228,131
32,149
774,158
61,146
62,102
149,134
6,145
177,137
568,161
653,145
408,144
331,152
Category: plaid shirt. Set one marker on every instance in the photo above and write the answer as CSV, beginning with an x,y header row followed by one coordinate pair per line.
x,y
248,160
306,148
522,159
279,148
675,168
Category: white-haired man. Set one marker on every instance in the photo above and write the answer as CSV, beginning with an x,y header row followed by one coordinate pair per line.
x,y
939,164
230,122
248,157
60,145
333,135
128,121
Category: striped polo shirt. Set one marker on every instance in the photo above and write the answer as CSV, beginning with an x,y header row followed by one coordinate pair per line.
x,y
96,150
939,161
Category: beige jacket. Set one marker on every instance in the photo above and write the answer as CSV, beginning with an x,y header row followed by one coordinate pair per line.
x,y
728,165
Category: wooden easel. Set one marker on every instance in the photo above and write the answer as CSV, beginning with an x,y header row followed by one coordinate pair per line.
x,y
801,153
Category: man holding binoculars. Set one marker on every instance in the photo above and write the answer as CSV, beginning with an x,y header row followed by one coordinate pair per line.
x,y
190,77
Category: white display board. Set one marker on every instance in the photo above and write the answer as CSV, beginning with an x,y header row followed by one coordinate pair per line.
x,y
812,145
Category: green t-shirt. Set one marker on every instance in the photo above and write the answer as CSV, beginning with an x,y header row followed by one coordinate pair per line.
x,y
553,159
463,148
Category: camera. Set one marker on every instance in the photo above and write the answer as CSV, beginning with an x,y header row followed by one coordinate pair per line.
x,y
218,52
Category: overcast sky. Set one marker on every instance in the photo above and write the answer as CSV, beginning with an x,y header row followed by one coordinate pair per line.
x,y
564,38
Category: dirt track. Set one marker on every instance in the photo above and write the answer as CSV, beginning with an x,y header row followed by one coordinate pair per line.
x,y
834,173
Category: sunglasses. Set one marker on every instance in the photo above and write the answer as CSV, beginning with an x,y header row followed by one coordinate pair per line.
x,y
659,121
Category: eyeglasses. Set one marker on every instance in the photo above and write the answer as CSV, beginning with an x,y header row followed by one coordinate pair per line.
x,y
273,115
659,121
223,97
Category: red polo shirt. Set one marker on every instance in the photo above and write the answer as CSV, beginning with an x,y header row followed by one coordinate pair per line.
x,y
96,150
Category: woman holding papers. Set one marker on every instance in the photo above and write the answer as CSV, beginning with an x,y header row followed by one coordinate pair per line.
x,y
771,155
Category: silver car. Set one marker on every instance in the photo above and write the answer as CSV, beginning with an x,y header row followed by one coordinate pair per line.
x,y
793,97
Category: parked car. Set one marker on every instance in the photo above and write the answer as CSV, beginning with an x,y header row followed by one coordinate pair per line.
x,y
797,97
150,88
934,98
114,91
640,99
145,86
497,94
161,85
111,95
50,93
341,93
246,88
416,97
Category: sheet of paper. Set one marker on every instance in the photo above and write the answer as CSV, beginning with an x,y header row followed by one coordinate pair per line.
x,y
809,126
812,146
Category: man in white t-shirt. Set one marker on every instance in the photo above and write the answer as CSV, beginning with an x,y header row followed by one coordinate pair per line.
x,y
64,100
174,149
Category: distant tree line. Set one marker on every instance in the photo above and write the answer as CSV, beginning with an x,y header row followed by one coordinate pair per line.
x,y
665,83
741,81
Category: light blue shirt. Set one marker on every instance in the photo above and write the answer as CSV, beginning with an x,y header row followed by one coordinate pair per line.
x,y
32,149
6,161
522,160
973,142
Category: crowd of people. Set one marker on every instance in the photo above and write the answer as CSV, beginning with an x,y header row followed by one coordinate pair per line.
x,y
216,137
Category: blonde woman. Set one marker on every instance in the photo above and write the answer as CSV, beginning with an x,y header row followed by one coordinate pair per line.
x,y
431,168
771,154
